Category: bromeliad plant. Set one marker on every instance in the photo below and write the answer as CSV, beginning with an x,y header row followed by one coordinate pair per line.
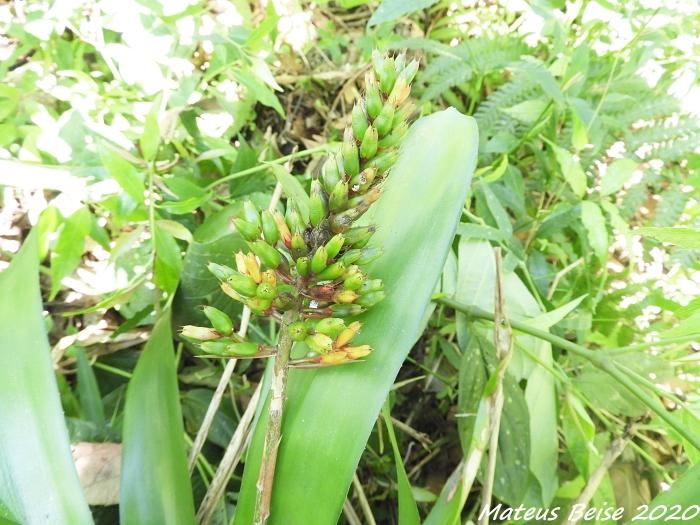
x,y
308,263
307,267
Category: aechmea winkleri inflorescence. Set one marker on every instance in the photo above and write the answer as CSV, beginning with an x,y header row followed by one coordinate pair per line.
x,y
315,265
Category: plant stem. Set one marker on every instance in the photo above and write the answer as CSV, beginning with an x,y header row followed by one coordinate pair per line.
x,y
602,362
273,430
503,340
265,165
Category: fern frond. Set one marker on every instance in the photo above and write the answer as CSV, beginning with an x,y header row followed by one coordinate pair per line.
x,y
670,208
489,114
668,139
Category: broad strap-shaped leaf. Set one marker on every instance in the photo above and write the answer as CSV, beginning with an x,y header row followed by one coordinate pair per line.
x,y
330,413
155,483
38,481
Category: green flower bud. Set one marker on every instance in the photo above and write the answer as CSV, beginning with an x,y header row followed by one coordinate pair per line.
x,y
303,266
377,61
245,349
330,326
396,136
218,319
248,231
243,284
228,349
373,99
359,236
384,160
400,62
266,291
269,228
351,256
298,244
370,299
409,72
342,221
371,285
297,331
220,271
388,75
218,348
258,304
233,294
351,156
318,207
346,310
319,261
368,148
319,343
354,281
200,333
293,218
251,214
332,272
334,245
360,123
267,254
365,200
339,196
330,174
384,120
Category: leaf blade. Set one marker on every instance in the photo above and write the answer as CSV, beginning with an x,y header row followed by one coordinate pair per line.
x,y
155,485
33,430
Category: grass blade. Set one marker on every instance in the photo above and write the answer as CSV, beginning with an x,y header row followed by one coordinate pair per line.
x,y
330,413
38,481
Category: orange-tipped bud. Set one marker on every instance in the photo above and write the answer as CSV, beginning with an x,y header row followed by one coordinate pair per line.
x,y
346,335
357,352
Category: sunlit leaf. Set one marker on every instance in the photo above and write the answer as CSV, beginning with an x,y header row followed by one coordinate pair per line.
x,y
155,483
38,482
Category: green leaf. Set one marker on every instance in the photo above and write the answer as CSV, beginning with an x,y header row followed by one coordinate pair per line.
x,y
527,112
330,412
683,237
616,175
684,493
175,229
258,89
38,482
571,170
69,247
155,483
124,172
168,263
293,188
408,511
596,228
88,391
390,10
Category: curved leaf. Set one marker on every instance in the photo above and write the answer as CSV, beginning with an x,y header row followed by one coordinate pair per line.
x,y
155,483
330,413
38,482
